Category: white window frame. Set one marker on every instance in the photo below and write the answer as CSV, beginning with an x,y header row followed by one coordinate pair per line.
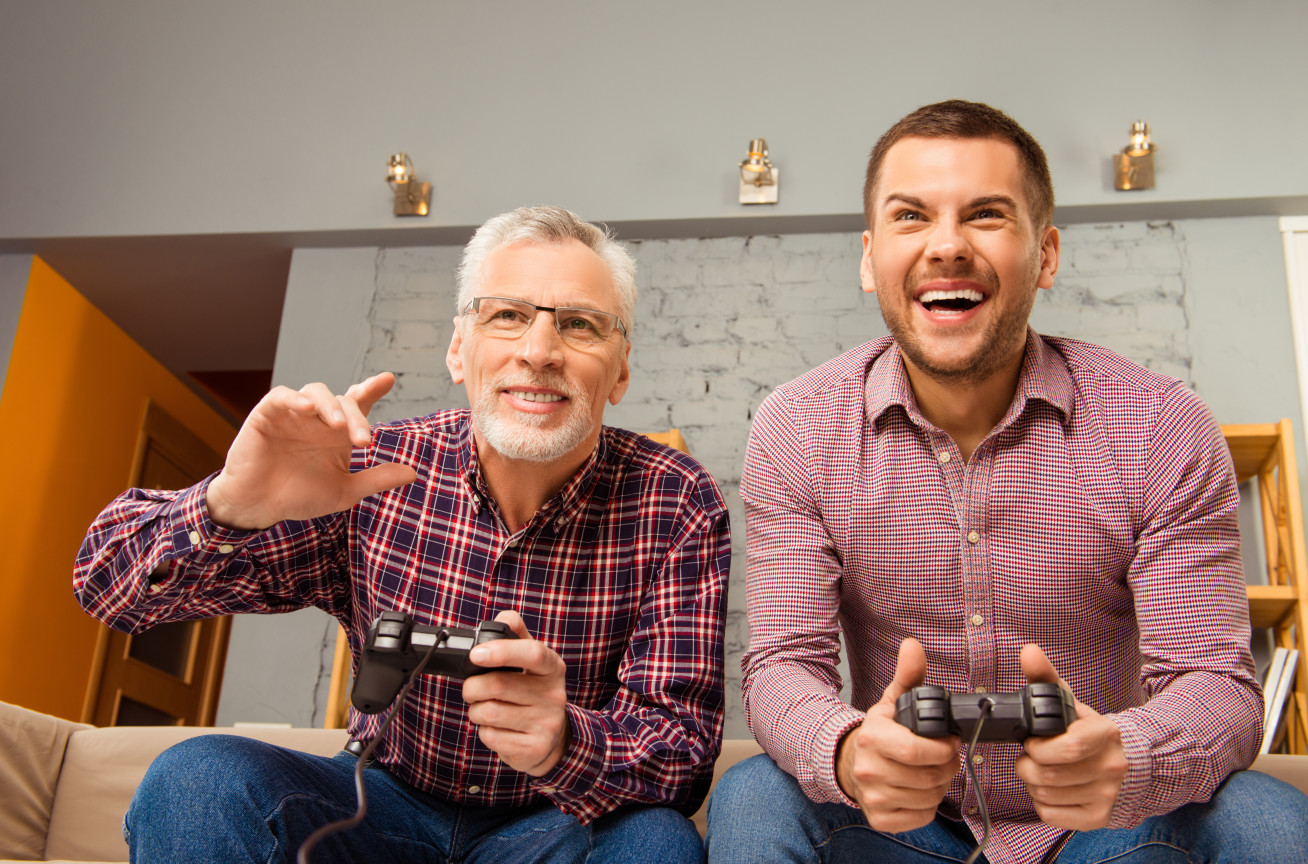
x,y
1294,236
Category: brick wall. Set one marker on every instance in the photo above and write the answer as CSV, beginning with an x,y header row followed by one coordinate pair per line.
x,y
721,322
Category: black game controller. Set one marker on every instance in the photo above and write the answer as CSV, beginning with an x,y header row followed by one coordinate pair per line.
x,y
396,646
1042,710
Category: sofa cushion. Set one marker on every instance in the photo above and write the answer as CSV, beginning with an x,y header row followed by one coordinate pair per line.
x,y
103,767
33,746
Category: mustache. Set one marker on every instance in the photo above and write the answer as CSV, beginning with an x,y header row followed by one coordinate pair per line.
x,y
548,380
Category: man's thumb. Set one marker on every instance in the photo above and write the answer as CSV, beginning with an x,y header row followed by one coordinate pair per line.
x,y
1037,667
910,670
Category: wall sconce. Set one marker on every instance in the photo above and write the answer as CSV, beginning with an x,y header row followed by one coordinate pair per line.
x,y
758,178
1133,168
412,197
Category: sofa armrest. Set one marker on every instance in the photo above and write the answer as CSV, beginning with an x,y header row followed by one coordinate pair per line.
x,y
33,746
104,766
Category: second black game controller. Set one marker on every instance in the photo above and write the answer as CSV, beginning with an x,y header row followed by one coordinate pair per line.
x,y
396,645
1041,709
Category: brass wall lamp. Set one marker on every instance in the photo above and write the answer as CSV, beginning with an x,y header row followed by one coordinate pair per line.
x,y
1133,168
412,196
759,179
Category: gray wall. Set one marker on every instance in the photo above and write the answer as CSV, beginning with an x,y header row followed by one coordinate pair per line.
x,y
171,118
14,273
722,322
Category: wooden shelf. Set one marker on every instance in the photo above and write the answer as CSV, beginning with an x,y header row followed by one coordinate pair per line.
x,y
1264,453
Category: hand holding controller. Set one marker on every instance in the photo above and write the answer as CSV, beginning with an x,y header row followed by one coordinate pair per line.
x,y
1039,709
396,645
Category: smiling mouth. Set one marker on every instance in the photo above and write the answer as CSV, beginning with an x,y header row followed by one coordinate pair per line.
x,y
953,300
535,397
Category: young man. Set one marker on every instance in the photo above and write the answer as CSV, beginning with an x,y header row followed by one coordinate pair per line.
x,y
607,555
977,507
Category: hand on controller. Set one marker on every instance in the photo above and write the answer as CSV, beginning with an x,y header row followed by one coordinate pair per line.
x,y
898,779
1074,778
522,715
291,457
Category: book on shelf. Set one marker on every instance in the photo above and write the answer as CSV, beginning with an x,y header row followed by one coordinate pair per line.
x,y
1277,688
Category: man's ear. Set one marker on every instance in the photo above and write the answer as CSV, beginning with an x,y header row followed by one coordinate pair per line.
x,y
454,356
865,265
1049,252
624,376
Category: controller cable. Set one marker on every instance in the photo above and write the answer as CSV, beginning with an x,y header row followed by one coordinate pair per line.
x,y
986,706
302,857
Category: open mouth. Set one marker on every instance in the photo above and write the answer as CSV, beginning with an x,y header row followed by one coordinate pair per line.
x,y
955,300
528,396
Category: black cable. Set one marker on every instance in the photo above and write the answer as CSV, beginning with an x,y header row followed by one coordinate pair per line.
x,y
302,857
986,706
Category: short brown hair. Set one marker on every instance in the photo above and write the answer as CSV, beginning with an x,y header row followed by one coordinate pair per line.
x,y
957,118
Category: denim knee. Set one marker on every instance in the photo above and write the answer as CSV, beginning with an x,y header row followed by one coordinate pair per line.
x,y
1265,818
638,834
758,812
187,781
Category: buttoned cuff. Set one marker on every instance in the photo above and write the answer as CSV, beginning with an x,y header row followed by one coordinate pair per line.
x,y
582,764
1130,808
193,537
826,742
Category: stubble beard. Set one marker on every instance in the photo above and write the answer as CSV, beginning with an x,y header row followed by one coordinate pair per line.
x,y
521,435
1004,336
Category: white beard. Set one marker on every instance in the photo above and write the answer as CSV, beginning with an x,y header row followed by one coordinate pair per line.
x,y
518,435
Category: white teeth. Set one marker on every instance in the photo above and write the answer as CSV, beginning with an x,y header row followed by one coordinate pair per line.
x,y
956,294
536,397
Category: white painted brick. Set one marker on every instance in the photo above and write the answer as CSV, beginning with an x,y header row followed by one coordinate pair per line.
x,y
758,329
737,271
387,310
1156,256
1125,287
420,334
1099,258
798,268
702,330
1162,317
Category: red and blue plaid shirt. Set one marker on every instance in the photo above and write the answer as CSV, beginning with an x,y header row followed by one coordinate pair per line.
x,y
623,573
1098,520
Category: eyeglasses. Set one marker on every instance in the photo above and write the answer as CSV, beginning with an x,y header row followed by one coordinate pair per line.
x,y
508,319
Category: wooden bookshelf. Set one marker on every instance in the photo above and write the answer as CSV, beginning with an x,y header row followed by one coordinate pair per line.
x,y
1264,452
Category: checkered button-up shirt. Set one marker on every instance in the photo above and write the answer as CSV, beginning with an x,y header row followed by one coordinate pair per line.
x,y
1098,520
623,573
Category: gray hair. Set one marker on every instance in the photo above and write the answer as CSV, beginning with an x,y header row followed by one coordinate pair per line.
x,y
548,225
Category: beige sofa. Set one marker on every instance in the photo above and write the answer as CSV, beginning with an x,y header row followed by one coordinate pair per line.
x,y
65,786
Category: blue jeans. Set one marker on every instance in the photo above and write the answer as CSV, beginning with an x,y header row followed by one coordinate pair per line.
x,y
758,814
222,798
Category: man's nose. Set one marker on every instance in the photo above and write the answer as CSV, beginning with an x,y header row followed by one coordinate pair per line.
x,y
541,346
947,242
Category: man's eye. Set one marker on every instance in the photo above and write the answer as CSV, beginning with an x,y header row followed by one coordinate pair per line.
x,y
988,214
577,323
908,216
508,315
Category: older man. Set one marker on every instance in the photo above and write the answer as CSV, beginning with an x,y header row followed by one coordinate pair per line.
x,y
975,506
605,553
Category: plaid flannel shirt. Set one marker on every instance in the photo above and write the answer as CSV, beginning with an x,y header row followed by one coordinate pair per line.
x,y
623,573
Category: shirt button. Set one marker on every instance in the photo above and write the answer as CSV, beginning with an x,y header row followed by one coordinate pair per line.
x,y
226,548
943,457
978,689
473,790
972,811
194,537
155,589
977,759
513,542
978,620
973,537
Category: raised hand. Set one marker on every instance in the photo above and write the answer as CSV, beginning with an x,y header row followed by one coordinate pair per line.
x,y
897,778
291,457
1074,778
522,716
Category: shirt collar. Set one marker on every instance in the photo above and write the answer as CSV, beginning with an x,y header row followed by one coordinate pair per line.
x,y
561,508
1044,377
